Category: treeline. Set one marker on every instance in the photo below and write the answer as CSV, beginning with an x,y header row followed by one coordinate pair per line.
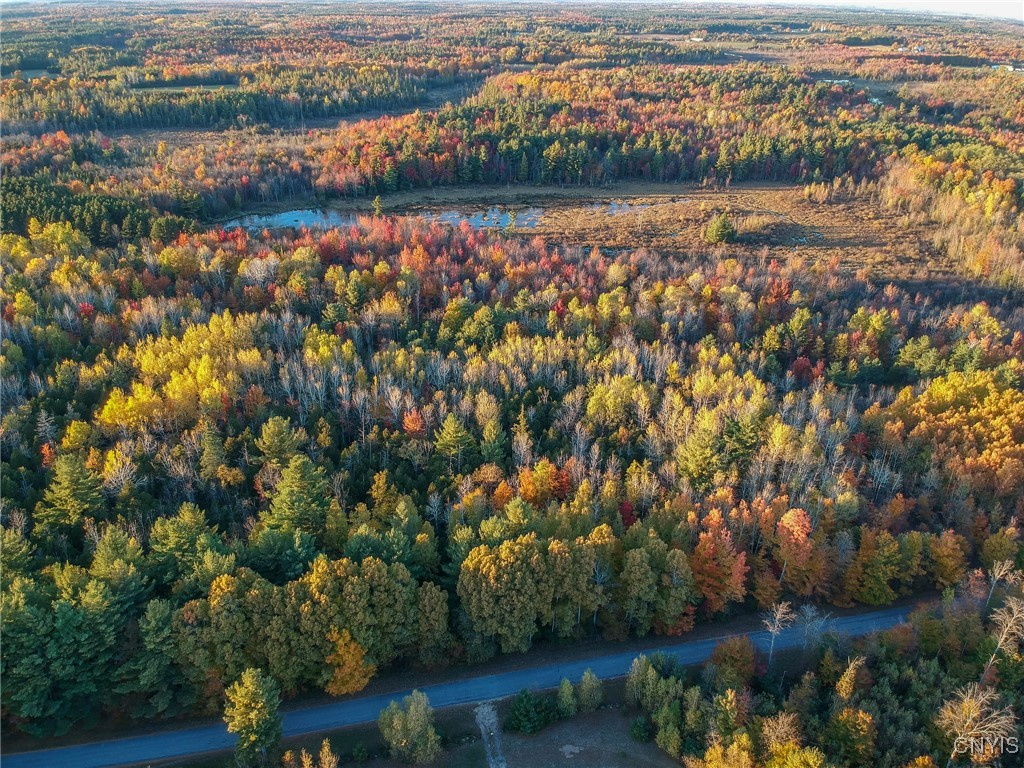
x,y
301,95
593,126
105,220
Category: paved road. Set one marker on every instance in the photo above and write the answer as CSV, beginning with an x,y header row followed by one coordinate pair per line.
x,y
194,741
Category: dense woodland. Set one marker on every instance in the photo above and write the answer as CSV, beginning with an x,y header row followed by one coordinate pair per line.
x,y
324,455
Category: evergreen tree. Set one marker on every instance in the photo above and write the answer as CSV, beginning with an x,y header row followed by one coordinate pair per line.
x,y
74,493
301,499
453,441
278,442
213,456
153,674
494,448
719,230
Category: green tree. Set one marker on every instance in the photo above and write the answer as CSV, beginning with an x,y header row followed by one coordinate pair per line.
x,y
870,577
702,454
178,544
58,657
74,493
530,713
453,441
505,589
251,713
408,729
566,700
278,442
119,563
719,230
213,456
152,675
494,448
677,594
435,640
590,693
16,556
639,590
301,499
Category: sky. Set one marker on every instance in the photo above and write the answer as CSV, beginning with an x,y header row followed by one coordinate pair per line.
x,y
1007,9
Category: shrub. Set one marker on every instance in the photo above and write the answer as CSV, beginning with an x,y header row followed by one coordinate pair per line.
x,y
641,729
530,713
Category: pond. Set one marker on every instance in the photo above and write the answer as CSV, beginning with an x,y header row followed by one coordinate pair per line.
x,y
493,217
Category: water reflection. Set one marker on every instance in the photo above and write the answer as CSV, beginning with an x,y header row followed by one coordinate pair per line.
x,y
493,217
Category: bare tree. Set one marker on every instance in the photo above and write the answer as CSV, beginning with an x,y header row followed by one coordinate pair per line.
x,y
972,716
813,622
776,619
779,730
1009,627
1001,571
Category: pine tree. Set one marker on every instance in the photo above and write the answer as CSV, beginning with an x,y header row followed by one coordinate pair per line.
x,y
278,442
301,499
435,639
213,456
74,493
523,171
453,441
719,230
251,712
639,590
153,673
494,448
701,456
59,658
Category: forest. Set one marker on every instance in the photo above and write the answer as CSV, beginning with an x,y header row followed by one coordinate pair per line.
x,y
275,464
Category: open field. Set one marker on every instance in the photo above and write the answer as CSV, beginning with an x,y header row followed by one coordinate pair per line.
x,y
774,221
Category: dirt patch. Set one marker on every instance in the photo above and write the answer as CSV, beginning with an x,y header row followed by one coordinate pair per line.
x,y
597,740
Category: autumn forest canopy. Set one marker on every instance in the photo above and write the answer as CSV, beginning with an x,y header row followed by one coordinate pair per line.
x,y
287,461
